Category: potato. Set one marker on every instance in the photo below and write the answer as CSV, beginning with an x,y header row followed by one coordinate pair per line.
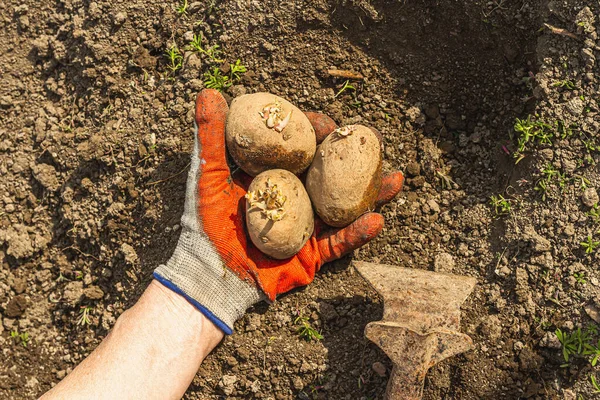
x,y
344,178
265,132
279,216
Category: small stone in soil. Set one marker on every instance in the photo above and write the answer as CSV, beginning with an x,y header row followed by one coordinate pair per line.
x,y
413,169
443,262
593,312
16,307
550,341
433,205
589,197
227,384
46,175
298,383
253,322
379,368
93,293
73,291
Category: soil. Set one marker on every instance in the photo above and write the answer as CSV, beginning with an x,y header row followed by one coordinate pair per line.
x,y
95,136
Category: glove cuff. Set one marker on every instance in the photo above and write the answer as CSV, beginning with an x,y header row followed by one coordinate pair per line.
x,y
197,272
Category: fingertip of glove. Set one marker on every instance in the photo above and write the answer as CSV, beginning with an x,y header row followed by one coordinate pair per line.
x,y
210,105
322,124
391,185
369,225
393,182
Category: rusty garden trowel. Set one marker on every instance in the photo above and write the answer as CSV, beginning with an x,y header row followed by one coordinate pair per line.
x,y
421,322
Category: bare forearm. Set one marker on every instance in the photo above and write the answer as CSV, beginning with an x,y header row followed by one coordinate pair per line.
x,y
153,351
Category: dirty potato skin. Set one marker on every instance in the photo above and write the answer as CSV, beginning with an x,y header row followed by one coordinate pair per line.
x,y
257,148
284,238
344,178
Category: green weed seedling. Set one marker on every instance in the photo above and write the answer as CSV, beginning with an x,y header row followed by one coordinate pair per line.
x,y
565,84
500,205
549,174
22,338
573,344
593,350
235,71
530,132
214,79
594,213
595,384
589,244
346,86
305,331
182,8
580,277
542,187
175,58
564,131
84,316
212,52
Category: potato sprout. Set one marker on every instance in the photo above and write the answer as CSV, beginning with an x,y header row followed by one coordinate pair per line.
x,y
270,201
272,114
345,130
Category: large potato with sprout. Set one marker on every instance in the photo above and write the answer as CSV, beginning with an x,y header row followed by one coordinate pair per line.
x,y
279,216
265,132
344,178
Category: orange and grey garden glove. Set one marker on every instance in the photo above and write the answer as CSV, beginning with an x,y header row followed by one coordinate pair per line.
x,y
215,266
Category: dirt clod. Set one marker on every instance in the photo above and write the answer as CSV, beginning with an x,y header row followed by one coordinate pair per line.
x,y
16,307
589,197
46,175
444,262
93,293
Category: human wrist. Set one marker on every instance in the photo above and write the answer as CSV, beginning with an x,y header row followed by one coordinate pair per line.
x,y
197,273
184,317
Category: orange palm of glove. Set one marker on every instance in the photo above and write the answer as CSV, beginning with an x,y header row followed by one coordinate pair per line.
x,y
221,210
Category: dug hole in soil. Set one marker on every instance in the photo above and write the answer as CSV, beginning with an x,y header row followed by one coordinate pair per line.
x,y
95,135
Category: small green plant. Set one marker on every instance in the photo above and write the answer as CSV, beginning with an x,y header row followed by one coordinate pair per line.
x,y
182,8
500,205
214,79
594,213
593,350
583,181
22,338
595,384
84,316
175,58
542,187
235,71
589,244
549,174
563,130
346,86
212,52
565,84
590,145
573,344
580,277
530,132
524,127
305,330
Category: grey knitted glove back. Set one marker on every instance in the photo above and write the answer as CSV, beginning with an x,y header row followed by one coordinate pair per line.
x,y
197,271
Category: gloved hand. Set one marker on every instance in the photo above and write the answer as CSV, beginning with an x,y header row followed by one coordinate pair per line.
x,y
215,266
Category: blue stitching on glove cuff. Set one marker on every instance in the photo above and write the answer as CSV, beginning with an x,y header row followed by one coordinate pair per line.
x,y
220,324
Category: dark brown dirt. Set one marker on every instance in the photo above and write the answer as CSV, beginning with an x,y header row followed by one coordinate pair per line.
x,y
95,135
